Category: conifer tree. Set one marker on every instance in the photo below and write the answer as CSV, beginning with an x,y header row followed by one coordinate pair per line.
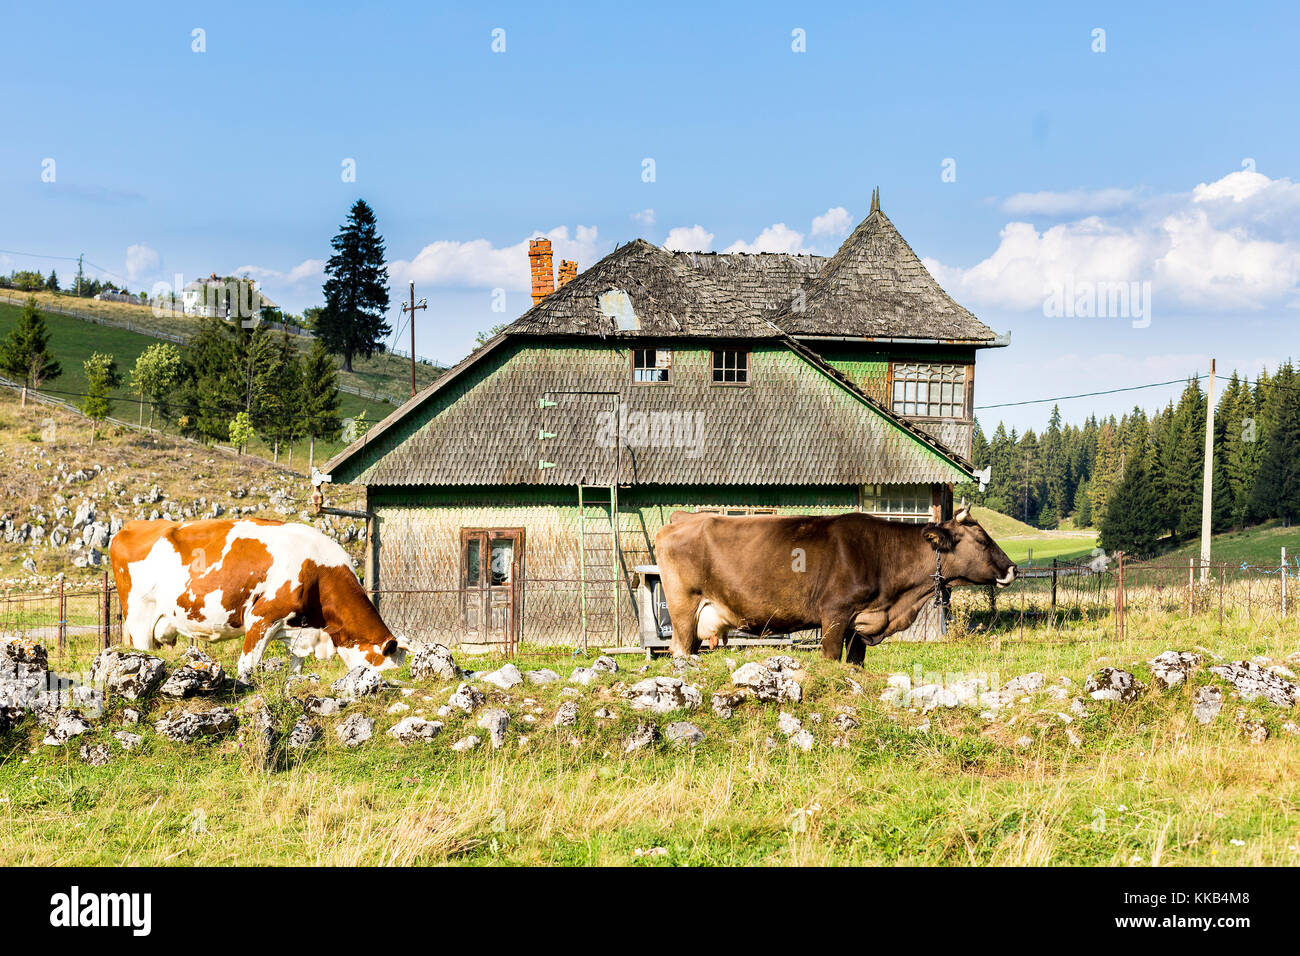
x,y
356,292
25,354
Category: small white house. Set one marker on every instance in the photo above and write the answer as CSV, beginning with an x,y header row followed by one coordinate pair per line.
x,y
227,297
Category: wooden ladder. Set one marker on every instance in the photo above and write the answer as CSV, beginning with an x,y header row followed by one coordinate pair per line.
x,y
598,565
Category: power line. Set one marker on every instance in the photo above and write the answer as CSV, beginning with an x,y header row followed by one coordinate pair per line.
x,y
1108,391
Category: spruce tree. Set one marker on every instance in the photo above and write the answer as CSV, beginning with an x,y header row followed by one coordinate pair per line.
x,y
216,380
1129,525
1277,486
320,401
356,292
277,393
25,354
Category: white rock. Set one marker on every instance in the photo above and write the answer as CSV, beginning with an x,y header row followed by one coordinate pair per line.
x,y
504,677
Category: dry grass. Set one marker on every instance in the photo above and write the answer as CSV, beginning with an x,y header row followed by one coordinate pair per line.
x,y
1148,785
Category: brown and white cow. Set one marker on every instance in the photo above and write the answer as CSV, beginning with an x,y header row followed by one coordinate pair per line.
x,y
857,577
262,580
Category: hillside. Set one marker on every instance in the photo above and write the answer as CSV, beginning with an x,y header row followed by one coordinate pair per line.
x,y
74,340
61,498
1019,539
387,374
1260,546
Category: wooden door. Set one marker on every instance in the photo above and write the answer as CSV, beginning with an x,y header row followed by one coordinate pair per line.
x,y
490,561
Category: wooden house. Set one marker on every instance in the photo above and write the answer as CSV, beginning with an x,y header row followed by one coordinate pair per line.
x,y
511,499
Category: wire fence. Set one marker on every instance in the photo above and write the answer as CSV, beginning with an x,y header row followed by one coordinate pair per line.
x,y
71,623
1059,596
1045,602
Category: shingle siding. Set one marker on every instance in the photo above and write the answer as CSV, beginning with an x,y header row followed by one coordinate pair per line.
x,y
793,425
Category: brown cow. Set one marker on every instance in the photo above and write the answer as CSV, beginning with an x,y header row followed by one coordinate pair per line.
x,y
853,575
262,580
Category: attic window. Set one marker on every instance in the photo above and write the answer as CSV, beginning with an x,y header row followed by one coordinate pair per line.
x,y
930,391
730,367
652,366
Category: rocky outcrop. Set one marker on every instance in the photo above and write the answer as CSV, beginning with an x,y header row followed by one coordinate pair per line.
x,y
567,714
771,680
466,698
1208,703
186,726
361,681
505,677
355,731
1111,683
495,721
661,695
1250,680
129,674
433,662
1173,668
683,734
198,675
410,730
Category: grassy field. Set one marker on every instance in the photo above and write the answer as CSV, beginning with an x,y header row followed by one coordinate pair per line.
x,y
389,374
1019,539
1146,784
1260,546
73,341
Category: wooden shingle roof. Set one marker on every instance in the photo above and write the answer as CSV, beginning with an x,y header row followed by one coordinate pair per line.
x,y
874,287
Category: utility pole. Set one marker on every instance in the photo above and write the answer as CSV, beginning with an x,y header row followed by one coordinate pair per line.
x,y
80,256
411,307
1207,480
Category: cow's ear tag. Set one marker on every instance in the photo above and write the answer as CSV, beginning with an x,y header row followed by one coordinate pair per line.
x,y
940,538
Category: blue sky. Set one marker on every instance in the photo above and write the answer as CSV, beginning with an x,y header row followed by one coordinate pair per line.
x,y
1170,158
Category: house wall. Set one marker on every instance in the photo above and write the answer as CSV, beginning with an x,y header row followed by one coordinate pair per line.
x,y
868,367
418,534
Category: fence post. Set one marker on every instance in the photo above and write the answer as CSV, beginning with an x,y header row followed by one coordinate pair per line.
x,y
104,592
63,616
1284,582
1054,565
1191,579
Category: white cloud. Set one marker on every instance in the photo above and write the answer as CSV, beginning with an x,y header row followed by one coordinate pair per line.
x,y
645,218
477,264
689,239
307,269
775,238
1237,186
141,261
1071,203
1230,244
835,221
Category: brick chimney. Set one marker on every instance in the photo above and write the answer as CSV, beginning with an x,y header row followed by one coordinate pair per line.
x,y
568,272
539,257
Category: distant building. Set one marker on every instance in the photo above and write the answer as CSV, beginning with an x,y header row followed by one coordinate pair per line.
x,y
226,297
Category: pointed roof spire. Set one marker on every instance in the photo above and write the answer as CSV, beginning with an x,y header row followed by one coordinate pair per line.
x,y
875,201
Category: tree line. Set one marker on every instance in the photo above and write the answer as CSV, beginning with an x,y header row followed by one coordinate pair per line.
x,y
1138,478
233,381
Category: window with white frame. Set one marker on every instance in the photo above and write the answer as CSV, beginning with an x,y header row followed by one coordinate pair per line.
x,y
930,391
897,502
